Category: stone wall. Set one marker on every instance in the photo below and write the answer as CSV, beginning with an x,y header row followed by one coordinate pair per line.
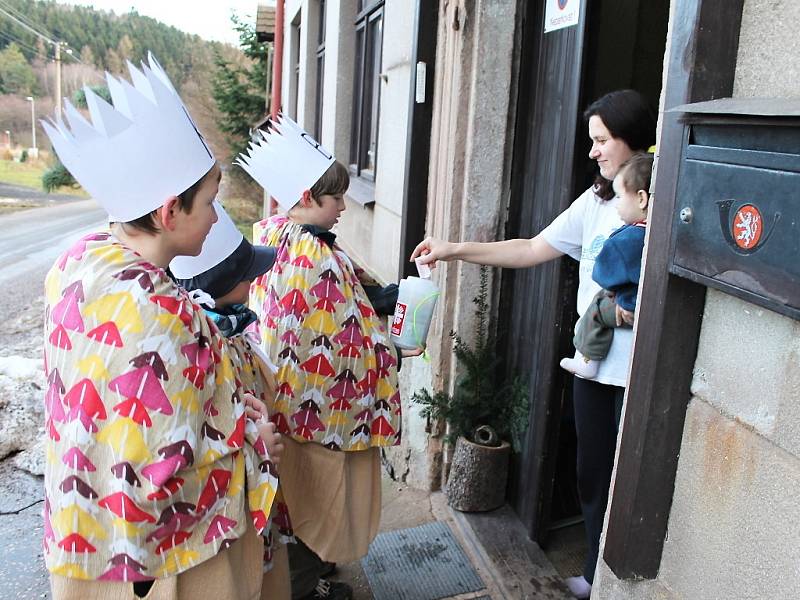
x,y
467,192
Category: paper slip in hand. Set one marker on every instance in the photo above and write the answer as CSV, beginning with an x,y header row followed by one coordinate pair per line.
x,y
422,268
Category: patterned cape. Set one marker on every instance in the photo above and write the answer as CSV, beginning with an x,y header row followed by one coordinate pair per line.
x,y
336,369
149,453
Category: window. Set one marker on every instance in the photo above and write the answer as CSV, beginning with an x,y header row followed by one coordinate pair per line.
x,y
320,72
366,88
295,58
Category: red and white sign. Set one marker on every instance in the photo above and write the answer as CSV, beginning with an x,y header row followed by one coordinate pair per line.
x,y
747,227
400,310
561,13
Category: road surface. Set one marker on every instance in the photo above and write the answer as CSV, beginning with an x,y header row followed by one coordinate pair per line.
x,y
31,240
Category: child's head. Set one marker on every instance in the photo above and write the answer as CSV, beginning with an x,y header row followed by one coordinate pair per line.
x,y
632,185
228,282
324,202
185,219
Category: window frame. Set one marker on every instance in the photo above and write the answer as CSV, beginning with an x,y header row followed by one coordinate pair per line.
x,y
320,75
296,52
365,80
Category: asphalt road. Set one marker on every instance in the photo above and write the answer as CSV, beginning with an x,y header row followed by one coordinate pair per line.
x,y
32,236
31,240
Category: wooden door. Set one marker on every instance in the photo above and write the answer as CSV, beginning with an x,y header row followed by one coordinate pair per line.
x,y
617,44
539,303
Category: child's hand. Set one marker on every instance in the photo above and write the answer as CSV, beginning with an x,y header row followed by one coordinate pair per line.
x,y
410,353
254,407
272,439
257,411
624,316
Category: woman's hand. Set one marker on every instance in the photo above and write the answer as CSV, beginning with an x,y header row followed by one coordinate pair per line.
x,y
257,411
624,316
430,250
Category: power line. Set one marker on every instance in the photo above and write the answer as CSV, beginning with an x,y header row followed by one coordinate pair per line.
x,y
38,30
24,45
26,26
23,17
40,35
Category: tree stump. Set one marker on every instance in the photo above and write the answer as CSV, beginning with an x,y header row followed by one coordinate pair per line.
x,y
478,475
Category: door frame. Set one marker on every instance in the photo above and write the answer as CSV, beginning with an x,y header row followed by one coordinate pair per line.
x,y
702,63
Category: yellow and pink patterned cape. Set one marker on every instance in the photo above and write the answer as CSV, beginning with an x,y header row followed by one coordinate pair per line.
x,y
337,370
151,464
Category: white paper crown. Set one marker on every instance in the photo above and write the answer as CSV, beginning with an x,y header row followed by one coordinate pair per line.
x,y
285,161
136,154
220,243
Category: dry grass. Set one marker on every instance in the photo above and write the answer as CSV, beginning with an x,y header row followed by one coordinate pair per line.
x,y
29,174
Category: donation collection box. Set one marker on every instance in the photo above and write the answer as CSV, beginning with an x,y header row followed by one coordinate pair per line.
x,y
737,217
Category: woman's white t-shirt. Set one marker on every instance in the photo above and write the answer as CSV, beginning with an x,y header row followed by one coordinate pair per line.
x,y
580,232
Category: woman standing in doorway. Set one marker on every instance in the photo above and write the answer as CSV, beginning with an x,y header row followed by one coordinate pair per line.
x,y
620,124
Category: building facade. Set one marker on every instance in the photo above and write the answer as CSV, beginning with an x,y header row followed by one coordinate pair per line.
x,y
491,145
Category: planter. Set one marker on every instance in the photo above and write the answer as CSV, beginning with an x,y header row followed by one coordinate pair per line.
x,y
478,475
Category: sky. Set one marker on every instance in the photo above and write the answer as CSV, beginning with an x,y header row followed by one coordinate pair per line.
x,y
210,20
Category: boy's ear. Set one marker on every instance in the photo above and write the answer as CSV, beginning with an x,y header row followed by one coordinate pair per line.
x,y
167,213
305,199
643,199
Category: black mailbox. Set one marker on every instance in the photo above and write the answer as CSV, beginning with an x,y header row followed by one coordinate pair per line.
x,y
737,221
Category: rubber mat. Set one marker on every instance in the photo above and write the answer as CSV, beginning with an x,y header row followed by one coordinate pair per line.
x,y
420,563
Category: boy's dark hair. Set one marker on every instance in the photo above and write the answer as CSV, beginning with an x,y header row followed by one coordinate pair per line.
x,y
146,223
628,116
333,182
636,172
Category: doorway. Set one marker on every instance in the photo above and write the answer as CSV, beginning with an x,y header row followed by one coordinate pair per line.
x,y
617,44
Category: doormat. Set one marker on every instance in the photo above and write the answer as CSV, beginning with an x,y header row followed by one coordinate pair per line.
x,y
420,563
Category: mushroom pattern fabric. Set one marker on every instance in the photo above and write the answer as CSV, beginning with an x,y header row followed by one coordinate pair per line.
x,y
151,464
336,368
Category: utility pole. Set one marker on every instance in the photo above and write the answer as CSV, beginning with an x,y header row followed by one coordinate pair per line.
x,y
49,41
58,79
32,100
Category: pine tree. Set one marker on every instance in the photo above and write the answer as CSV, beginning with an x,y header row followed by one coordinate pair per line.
x,y
239,90
16,75
479,398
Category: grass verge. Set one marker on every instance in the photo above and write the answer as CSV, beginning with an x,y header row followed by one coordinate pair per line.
x,y
29,174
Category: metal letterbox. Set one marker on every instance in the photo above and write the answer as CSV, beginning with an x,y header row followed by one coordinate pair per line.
x,y
737,217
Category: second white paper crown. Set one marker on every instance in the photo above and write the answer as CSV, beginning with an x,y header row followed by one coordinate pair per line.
x,y
286,161
219,244
136,154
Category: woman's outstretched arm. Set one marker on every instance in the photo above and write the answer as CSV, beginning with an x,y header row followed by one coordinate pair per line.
x,y
511,254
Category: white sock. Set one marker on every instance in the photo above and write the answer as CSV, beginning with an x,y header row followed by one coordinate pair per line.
x,y
579,587
581,366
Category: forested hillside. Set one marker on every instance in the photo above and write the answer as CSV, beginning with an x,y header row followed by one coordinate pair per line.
x,y
100,38
99,41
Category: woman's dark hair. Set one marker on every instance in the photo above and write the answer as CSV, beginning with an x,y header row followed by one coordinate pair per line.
x,y
146,223
333,182
628,116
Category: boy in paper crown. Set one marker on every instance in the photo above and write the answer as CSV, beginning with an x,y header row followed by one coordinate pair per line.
x,y
219,280
158,475
338,401
219,277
